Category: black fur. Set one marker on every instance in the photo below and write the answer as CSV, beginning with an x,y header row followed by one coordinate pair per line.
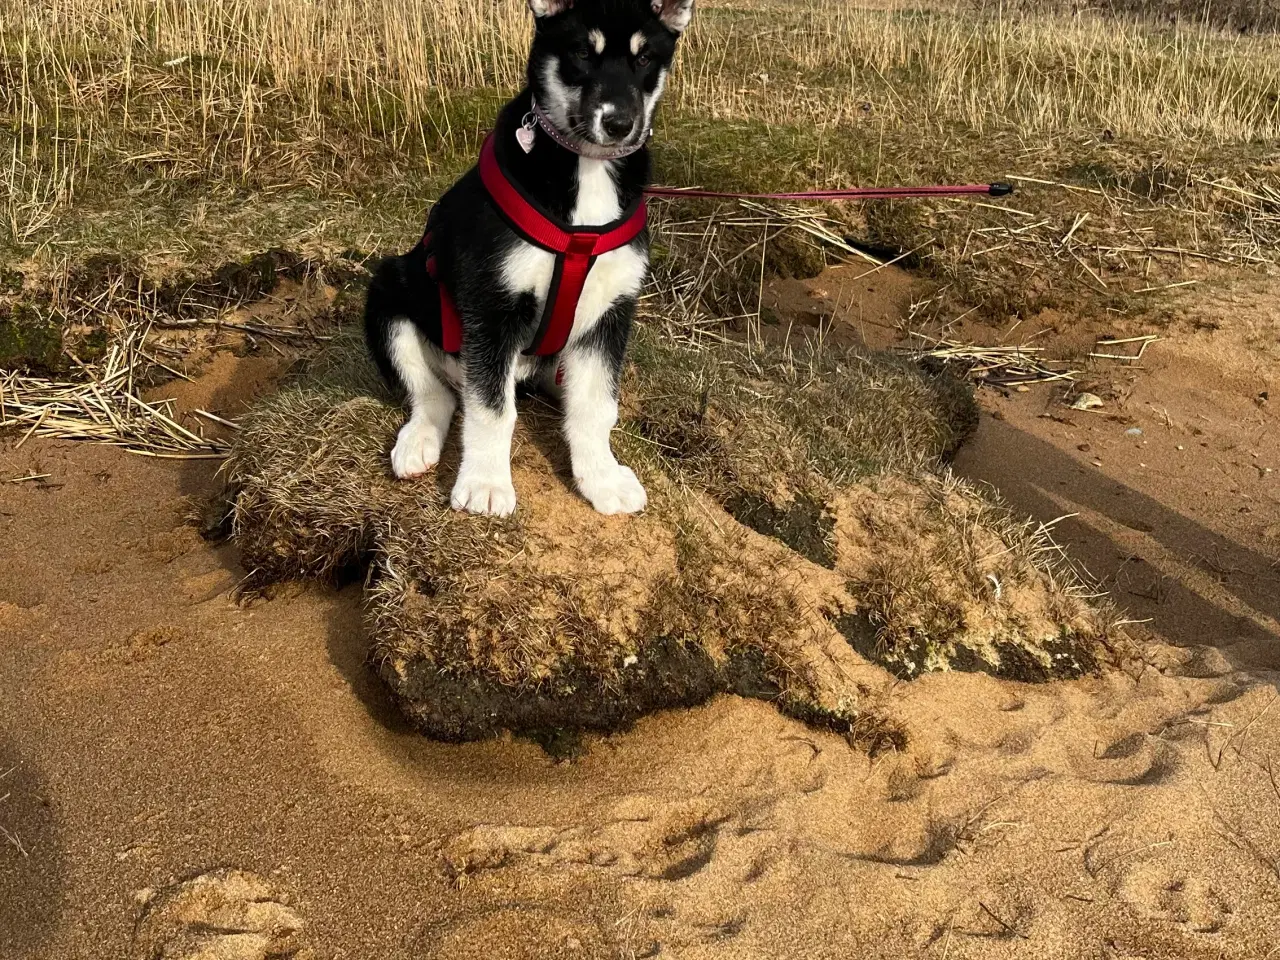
x,y
470,236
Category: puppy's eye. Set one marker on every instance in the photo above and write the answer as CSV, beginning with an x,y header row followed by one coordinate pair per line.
x,y
583,52
643,59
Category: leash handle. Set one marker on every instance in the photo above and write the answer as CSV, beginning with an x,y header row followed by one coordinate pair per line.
x,y
853,193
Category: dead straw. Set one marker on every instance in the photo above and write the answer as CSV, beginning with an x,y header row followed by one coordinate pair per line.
x,y
999,366
1141,346
103,408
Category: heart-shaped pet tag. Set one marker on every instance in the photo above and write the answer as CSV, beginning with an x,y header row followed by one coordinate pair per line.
x,y
525,137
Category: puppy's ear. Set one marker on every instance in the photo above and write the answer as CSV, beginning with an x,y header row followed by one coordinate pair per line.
x,y
549,8
674,14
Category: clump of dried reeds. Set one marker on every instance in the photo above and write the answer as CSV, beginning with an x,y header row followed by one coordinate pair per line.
x,y
999,366
93,386
104,405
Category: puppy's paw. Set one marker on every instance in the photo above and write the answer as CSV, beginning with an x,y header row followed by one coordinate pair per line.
x,y
487,495
613,489
417,449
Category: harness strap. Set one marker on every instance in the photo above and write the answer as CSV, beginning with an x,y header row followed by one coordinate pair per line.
x,y
539,228
450,324
567,281
576,250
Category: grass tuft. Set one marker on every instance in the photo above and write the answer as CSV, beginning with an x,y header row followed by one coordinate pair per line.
x,y
772,478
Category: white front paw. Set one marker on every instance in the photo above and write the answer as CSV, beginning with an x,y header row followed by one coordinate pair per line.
x,y
613,489
494,496
417,449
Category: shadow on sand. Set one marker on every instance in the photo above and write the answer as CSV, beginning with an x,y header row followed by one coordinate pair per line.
x,y
1195,587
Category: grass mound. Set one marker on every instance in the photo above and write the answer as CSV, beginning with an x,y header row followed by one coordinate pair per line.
x,y
797,529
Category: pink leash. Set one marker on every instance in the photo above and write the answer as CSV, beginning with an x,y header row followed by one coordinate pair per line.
x,y
854,193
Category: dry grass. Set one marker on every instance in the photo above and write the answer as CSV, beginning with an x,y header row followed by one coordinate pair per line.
x,y
735,419
232,68
1122,246
238,125
271,94
86,350
710,260
951,580
104,407
1246,16
1255,16
831,64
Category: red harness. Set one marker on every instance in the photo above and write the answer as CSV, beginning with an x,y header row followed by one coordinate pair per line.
x,y
576,249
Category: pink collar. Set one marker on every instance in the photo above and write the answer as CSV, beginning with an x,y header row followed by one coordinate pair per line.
x,y
583,148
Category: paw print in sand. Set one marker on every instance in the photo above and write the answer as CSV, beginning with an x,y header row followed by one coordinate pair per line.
x,y
221,915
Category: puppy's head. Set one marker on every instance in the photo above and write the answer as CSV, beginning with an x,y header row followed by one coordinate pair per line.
x,y
598,67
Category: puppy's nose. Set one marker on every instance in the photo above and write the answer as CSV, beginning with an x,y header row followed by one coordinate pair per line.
x,y
616,125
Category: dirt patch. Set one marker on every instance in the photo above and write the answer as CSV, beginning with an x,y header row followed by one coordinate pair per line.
x,y
850,304
1168,491
803,524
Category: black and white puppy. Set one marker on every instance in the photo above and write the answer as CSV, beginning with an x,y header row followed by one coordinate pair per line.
x,y
596,70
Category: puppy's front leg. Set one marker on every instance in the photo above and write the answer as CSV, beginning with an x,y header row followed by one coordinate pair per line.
x,y
590,400
431,402
488,420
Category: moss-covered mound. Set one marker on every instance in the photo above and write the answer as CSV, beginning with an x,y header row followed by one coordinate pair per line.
x,y
798,529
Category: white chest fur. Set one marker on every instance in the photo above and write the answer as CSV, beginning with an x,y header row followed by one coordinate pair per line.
x,y
618,273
